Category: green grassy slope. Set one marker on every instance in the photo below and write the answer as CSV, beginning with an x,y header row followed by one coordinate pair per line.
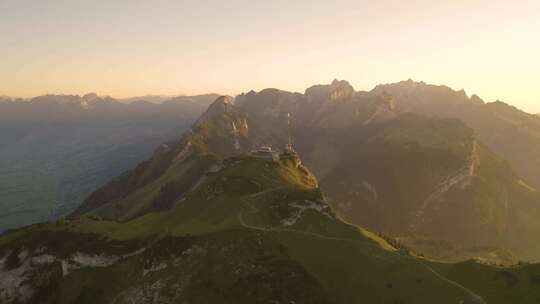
x,y
252,232
518,284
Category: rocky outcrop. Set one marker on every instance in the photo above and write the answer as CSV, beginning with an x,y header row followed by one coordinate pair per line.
x,y
337,90
222,105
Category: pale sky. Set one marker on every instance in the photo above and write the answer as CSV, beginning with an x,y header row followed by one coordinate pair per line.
x,y
127,48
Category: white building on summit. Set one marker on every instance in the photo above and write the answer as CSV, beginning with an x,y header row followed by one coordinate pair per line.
x,y
265,153
289,150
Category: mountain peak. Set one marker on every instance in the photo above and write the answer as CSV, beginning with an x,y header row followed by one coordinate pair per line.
x,y
90,96
337,82
223,105
224,99
476,100
337,90
341,89
86,99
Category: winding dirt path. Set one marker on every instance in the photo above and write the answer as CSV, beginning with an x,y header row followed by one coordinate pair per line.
x,y
474,298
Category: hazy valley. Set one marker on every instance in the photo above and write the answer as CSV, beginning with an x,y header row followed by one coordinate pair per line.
x,y
56,149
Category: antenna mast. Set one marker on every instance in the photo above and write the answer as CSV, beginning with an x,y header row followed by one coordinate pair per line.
x,y
289,128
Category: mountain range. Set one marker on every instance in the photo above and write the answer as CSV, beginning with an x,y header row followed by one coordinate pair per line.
x,y
384,162
415,160
204,221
